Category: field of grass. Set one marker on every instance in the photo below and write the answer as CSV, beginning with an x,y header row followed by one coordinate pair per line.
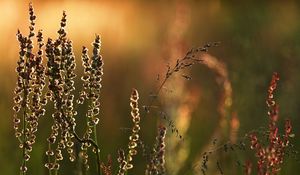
x,y
179,87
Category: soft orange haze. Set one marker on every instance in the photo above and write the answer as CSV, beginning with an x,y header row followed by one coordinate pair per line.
x,y
139,38
117,23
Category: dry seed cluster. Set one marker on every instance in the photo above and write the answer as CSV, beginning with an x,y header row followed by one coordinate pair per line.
x,y
133,139
156,164
60,72
29,98
30,84
122,162
93,71
271,156
30,101
125,162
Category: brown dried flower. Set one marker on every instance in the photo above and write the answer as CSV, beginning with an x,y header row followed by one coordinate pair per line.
x,y
156,165
28,92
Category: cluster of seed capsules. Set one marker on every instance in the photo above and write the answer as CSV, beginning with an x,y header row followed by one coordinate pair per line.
x,y
29,105
271,156
30,97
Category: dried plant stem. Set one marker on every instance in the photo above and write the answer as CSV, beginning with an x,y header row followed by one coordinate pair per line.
x,y
187,61
96,148
85,140
80,140
97,151
90,141
24,137
158,91
49,158
25,96
93,71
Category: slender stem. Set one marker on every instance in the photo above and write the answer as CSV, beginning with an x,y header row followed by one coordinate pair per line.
x,y
55,170
167,76
49,159
92,142
83,169
188,57
97,149
25,96
159,90
24,136
80,140
96,142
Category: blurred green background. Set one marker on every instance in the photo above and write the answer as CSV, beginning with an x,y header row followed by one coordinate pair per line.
x,y
139,38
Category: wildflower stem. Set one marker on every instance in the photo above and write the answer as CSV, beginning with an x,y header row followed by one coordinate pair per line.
x,y
97,150
24,137
49,159
187,61
25,95
56,170
96,142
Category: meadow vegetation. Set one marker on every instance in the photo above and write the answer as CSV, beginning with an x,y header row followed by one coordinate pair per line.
x,y
45,80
